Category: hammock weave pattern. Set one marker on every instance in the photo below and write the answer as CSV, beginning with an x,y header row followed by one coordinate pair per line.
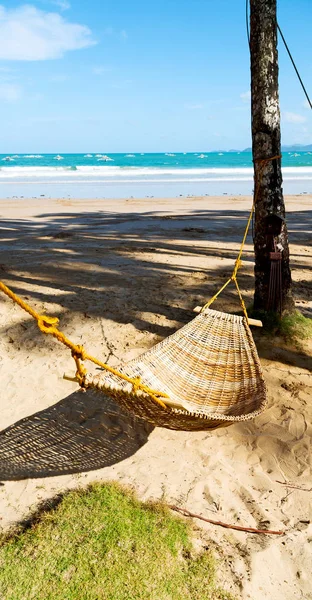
x,y
209,370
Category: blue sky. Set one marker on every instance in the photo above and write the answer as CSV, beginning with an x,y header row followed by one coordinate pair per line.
x,y
132,75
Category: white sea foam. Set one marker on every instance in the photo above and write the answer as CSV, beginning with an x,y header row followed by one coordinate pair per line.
x,y
153,174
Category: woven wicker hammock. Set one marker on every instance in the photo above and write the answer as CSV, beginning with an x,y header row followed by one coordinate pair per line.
x,y
209,371
206,375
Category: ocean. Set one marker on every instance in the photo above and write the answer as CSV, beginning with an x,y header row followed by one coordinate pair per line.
x,y
99,175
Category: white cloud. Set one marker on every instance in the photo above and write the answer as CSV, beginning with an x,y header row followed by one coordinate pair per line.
x,y
10,92
246,96
123,34
291,117
27,33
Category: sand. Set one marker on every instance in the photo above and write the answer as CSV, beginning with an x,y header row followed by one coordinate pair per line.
x,y
122,275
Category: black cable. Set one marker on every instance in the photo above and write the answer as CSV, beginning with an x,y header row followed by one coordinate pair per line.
x,y
247,23
287,48
294,65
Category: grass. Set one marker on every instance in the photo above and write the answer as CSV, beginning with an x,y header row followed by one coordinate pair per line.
x,y
296,326
102,543
293,327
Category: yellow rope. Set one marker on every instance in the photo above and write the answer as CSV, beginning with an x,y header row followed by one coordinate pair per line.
x,y
217,294
263,162
49,325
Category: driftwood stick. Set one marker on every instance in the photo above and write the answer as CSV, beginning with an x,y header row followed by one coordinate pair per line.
x,y
187,513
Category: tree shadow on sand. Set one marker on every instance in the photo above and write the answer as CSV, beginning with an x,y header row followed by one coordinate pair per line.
x,y
90,258
83,432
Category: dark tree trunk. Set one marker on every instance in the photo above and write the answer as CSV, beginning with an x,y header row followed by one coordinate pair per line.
x,y
266,143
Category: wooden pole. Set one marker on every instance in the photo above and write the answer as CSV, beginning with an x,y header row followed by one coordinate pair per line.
x,y
266,142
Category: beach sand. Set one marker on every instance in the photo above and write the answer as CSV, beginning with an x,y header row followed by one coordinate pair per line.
x,y
122,275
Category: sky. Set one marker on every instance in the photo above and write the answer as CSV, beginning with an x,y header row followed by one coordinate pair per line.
x,y
137,75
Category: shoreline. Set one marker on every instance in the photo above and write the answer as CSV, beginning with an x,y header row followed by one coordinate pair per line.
x,y
157,188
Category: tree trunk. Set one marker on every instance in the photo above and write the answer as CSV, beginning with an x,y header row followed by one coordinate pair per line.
x,y
266,143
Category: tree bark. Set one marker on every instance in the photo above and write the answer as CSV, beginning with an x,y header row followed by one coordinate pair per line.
x,y
266,143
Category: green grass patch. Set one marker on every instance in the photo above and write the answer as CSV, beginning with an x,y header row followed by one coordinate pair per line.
x,y
103,543
296,326
292,327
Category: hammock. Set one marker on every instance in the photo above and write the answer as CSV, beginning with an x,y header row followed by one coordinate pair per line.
x,y
207,374
209,371
204,376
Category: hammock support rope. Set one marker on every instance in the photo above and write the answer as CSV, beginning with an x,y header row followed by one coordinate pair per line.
x,y
48,325
209,371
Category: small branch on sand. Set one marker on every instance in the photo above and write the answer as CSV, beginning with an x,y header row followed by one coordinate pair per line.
x,y
294,487
187,513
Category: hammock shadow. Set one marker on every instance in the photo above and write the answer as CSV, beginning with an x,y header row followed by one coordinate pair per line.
x,y
83,432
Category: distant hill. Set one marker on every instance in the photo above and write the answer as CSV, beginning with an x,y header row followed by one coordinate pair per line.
x,y
293,148
297,148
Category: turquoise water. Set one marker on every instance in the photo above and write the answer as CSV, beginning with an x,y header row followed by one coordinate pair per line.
x,y
166,161
142,174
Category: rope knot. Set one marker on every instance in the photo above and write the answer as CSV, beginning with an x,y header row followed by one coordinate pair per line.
x,y
238,264
79,352
81,374
47,324
136,384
